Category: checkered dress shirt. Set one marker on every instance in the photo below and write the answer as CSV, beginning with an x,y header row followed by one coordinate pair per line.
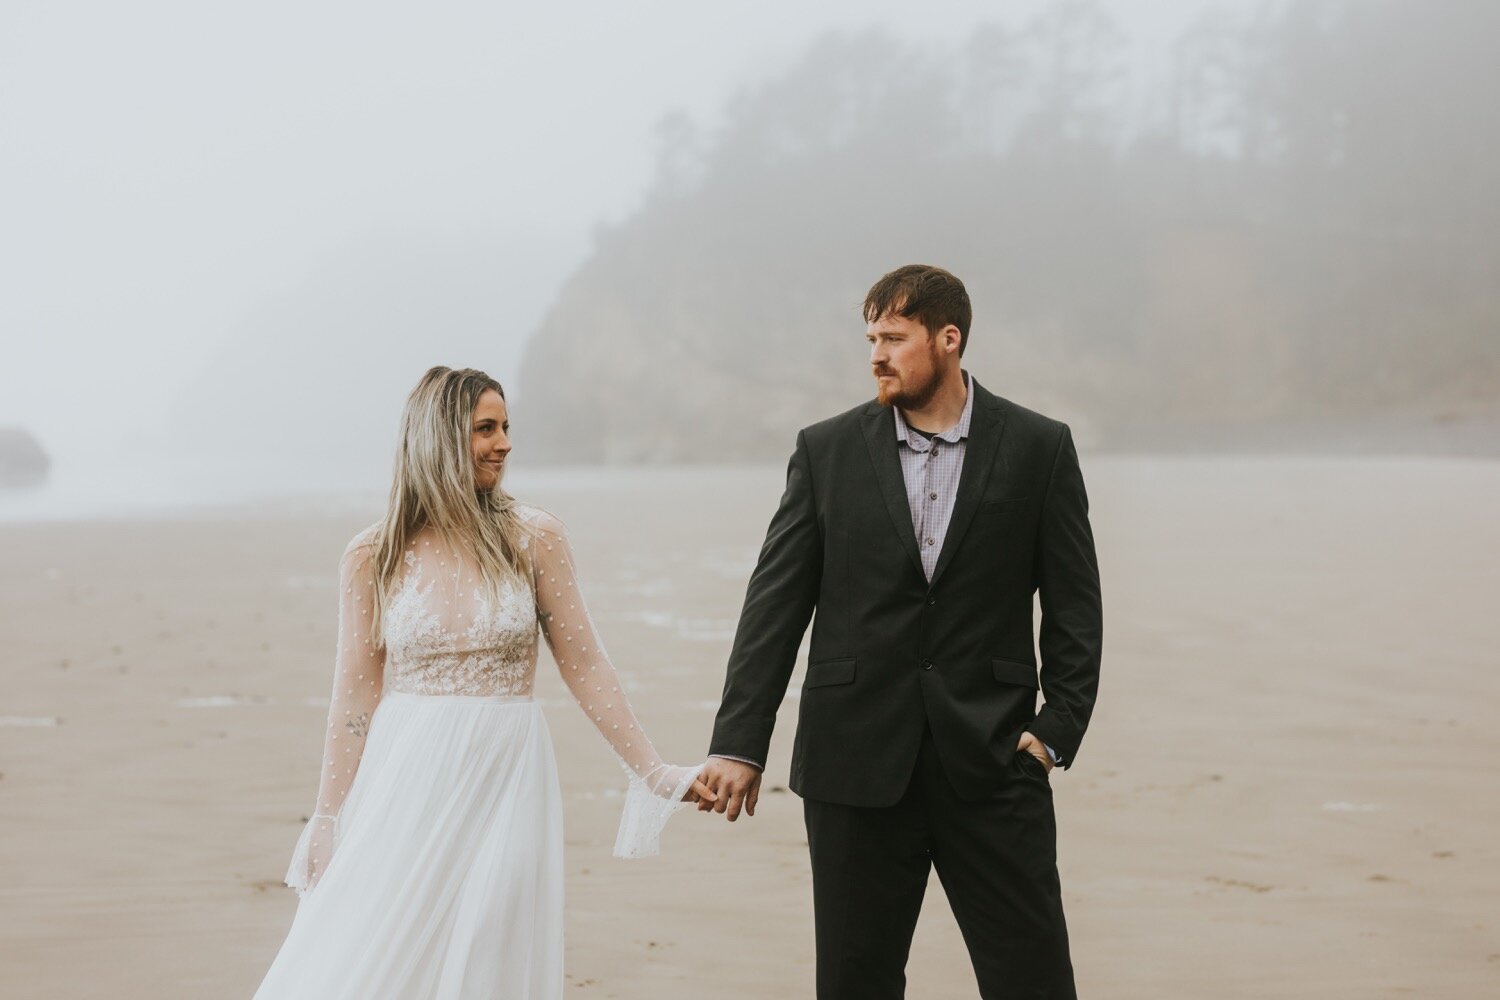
x,y
931,466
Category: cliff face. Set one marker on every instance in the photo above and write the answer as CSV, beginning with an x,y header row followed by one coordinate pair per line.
x,y
1287,258
707,353
728,336
721,319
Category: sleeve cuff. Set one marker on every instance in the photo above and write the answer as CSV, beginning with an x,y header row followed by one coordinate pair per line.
x,y
743,760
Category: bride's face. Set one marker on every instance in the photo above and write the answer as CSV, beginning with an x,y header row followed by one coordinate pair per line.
x,y
490,440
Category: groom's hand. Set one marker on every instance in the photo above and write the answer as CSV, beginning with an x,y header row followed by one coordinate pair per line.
x,y
734,784
1037,749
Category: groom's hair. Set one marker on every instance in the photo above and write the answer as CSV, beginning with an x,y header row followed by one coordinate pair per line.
x,y
927,294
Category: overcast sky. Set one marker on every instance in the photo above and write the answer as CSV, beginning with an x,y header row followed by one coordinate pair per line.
x,y
167,169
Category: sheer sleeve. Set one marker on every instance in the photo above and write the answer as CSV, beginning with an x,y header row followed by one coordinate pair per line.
x,y
656,789
357,682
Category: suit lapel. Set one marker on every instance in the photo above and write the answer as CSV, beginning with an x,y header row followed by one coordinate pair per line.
x,y
986,424
880,436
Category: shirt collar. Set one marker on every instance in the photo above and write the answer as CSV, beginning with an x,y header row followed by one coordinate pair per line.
x,y
958,432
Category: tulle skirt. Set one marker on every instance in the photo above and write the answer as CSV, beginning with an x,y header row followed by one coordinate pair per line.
x,y
447,879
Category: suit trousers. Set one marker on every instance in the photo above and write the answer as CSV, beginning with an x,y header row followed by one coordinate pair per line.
x,y
996,859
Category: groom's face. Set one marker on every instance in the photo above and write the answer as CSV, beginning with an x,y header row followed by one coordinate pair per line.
x,y
906,361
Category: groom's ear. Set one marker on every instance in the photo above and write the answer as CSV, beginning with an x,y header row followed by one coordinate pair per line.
x,y
952,339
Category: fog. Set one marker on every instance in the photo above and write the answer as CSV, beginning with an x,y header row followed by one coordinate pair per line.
x,y
233,237
1249,250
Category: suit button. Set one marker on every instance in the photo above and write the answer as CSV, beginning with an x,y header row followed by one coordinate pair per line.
x,y
926,664
931,601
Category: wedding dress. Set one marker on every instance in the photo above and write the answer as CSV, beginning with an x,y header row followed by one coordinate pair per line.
x,y
433,866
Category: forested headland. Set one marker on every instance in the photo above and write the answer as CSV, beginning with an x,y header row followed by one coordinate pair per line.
x,y
1295,223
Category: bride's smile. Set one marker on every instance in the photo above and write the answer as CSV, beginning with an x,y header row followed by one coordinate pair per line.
x,y
490,441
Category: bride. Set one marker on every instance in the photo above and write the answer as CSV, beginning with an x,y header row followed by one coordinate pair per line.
x,y
432,866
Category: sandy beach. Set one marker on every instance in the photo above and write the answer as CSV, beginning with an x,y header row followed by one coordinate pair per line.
x,y
1290,787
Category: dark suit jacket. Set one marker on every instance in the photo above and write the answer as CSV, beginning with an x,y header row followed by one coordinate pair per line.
x,y
892,653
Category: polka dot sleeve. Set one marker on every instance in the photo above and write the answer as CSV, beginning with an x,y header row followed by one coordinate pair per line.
x,y
357,681
656,789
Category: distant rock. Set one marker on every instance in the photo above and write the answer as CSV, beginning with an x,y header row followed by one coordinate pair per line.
x,y
22,460
1142,283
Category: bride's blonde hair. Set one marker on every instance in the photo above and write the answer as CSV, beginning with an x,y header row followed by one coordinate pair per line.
x,y
434,486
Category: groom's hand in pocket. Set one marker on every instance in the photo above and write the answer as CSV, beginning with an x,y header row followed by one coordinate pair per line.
x,y
735,785
1037,749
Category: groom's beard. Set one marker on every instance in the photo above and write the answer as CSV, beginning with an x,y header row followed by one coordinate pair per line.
x,y
907,393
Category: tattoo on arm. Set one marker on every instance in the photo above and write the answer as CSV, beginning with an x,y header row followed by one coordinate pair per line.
x,y
359,725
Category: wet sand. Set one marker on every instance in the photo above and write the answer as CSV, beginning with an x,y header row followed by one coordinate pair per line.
x,y
1290,787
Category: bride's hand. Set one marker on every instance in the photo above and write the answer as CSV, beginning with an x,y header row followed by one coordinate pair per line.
x,y
736,784
667,778
699,792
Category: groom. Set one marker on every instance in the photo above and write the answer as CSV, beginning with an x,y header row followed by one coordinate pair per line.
x,y
919,526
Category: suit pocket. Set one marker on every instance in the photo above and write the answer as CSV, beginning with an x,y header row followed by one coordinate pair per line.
x,y
1003,505
825,673
1014,672
1037,767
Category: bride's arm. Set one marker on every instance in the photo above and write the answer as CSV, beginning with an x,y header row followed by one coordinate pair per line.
x,y
656,788
357,682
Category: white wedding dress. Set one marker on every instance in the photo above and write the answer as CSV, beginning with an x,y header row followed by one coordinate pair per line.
x,y
433,867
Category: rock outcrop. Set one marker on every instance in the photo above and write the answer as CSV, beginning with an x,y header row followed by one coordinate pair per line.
x,y
23,462
1190,278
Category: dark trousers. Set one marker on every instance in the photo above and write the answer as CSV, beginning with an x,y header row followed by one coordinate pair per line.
x,y
997,860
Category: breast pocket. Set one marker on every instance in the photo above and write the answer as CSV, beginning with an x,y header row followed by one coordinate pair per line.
x,y
1003,505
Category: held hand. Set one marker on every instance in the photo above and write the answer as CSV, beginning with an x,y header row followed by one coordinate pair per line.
x,y
1037,749
700,793
667,778
734,785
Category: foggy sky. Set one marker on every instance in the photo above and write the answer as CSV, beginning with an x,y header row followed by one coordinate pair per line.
x,y
169,169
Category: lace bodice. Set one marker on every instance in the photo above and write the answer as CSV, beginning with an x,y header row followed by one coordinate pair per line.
x,y
443,636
